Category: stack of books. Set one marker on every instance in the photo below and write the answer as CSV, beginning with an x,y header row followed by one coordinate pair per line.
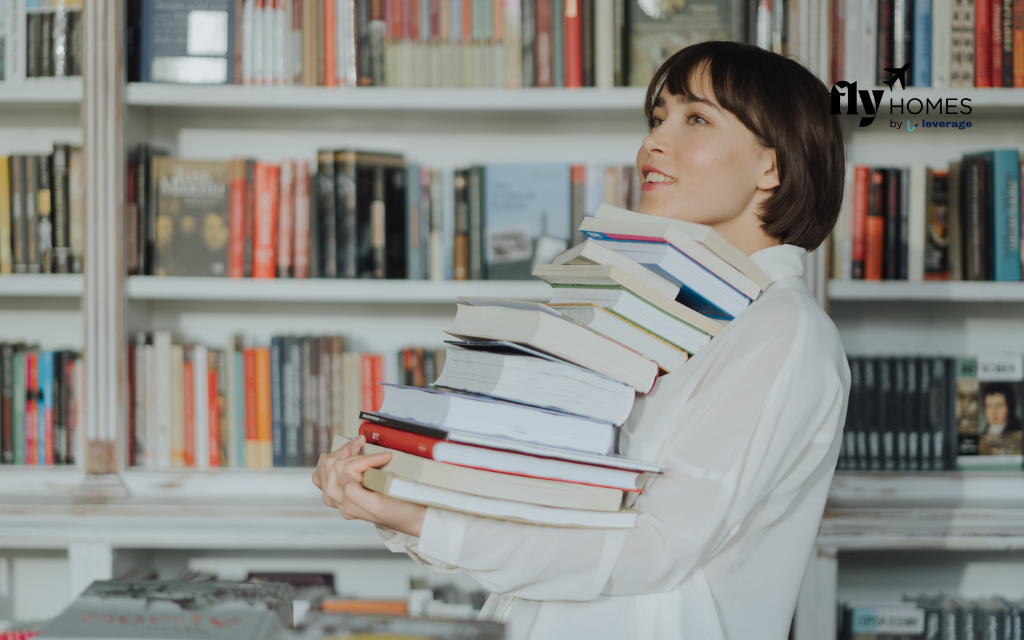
x,y
522,422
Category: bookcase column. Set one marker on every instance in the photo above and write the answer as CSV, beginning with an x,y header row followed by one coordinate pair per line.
x,y
103,294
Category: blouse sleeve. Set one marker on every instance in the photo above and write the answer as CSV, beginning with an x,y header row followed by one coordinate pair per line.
x,y
750,418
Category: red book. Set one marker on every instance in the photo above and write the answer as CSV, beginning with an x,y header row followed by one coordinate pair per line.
x,y
31,420
498,13
378,377
251,453
573,45
997,43
983,43
368,383
189,388
265,230
300,230
213,409
860,219
236,218
412,31
435,16
542,43
875,228
330,42
467,21
286,219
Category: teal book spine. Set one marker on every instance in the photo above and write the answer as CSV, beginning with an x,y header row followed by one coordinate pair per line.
x,y
45,404
558,43
1004,185
19,398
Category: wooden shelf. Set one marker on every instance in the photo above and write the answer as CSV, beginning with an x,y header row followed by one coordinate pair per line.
x,y
903,291
383,98
329,290
41,285
42,91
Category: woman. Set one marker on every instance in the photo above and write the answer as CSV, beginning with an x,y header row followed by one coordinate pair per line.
x,y
749,429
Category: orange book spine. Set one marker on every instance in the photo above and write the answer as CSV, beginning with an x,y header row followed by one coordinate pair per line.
x,y
300,255
212,409
262,361
1018,44
251,453
875,228
286,219
367,399
498,13
573,45
413,31
366,607
236,219
190,410
330,38
997,43
467,21
265,229
378,377
860,220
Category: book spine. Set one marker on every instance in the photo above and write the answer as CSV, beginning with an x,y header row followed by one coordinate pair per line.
x,y
911,407
1005,190
178,433
900,401
944,443
32,214
941,43
996,76
6,400
529,33
212,405
974,219
543,44
300,253
886,40
891,252
189,393
236,218
876,226
286,219
241,416
292,402
76,209
330,40
60,207
345,214
45,404
922,43
1018,44
276,401
264,458
461,245
44,210
6,259
983,43
337,386
19,397
311,411
861,198
250,215
18,224
267,204
225,435
374,262
924,408
33,44
475,196
872,417
270,43
413,213
252,453
404,441
201,380
558,59
1006,27
905,244
327,214
397,186
324,408
162,347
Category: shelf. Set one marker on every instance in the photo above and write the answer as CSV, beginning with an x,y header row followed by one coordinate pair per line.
x,y
41,285
329,290
42,91
902,291
623,99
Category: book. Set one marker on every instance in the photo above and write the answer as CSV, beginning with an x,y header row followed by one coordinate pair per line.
x,y
191,221
321,626
536,326
488,484
1000,413
594,252
512,372
189,42
390,485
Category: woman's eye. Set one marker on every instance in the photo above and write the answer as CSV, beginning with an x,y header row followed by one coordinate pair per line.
x,y
697,117
656,121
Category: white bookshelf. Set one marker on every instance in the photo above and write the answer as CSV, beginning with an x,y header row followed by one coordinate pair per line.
x,y
42,91
42,285
903,291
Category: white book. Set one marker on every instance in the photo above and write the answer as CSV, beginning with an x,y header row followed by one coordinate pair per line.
x,y
851,41
137,448
824,43
164,442
352,392
201,408
604,44
296,42
346,42
917,223
391,485
151,430
595,252
256,42
942,25
248,17
282,41
813,36
841,236
269,44
15,63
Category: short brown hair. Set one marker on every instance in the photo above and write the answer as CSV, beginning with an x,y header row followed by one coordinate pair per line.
x,y
786,108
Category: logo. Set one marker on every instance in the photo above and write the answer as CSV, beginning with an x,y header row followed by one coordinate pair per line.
x,y
871,101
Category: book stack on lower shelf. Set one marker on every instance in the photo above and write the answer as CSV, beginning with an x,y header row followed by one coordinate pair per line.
x,y
522,421
249,406
925,617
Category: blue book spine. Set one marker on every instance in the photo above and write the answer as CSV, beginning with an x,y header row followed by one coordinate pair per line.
x,y
689,297
1005,211
922,42
413,211
240,406
45,405
293,402
276,428
425,20
448,221
456,9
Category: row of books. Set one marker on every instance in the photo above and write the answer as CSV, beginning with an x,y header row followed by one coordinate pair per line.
x,y
432,43
41,409
254,406
947,43
40,39
933,617
920,223
522,421
360,215
42,212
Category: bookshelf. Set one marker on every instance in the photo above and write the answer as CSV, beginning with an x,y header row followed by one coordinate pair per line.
x,y
96,523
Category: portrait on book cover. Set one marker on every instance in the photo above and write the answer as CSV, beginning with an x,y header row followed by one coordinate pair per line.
x,y
999,418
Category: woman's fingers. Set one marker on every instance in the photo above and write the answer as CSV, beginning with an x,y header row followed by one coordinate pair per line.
x,y
357,465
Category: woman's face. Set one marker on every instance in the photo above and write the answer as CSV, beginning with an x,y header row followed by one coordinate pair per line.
x,y
701,164
995,409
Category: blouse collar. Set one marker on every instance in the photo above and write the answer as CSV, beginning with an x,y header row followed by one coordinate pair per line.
x,y
780,261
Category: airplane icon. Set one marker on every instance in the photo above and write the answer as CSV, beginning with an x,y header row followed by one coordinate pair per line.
x,y
897,74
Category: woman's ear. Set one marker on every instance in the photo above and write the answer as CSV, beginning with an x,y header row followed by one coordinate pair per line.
x,y
769,178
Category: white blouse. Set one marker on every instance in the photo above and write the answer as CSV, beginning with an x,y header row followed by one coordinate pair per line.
x,y
749,432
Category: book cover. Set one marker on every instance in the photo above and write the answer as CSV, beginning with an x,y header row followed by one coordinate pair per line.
x,y
527,217
967,406
875,227
237,210
983,43
268,185
60,206
191,217
961,50
999,405
188,41
657,30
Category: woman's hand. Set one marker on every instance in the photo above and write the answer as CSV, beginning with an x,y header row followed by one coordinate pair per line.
x,y
339,476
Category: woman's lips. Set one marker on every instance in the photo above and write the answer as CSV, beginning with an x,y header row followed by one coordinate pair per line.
x,y
651,186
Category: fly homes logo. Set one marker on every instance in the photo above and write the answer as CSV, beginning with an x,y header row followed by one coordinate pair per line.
x,y
871,101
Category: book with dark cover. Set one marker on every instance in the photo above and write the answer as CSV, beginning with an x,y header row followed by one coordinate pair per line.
x,y
311,400
6,403
891,256
937,219
885,39
911,414
529,20
586,10
46,66
32,214
61,208
944,438
1000,191
75,26
857,438
322,351
188,41
461,240
328,214
315,263
277,400
396,227
292,416
872,413
60,433
19,224
250,217
898,412
975,225
191,207
176,609
33,44
886,412
1009,30
146,186
660,29
924,409
373,171
875,227
475,196
903,248
44,206
903,35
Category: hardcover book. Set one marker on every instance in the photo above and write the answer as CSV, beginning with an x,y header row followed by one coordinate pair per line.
x,y
192,217
188,41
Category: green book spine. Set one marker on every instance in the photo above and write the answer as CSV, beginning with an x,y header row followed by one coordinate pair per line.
x,y
19,408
